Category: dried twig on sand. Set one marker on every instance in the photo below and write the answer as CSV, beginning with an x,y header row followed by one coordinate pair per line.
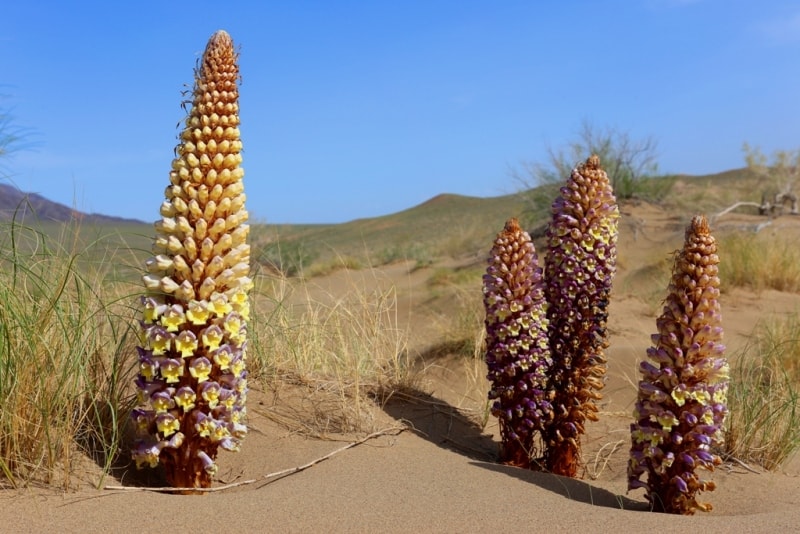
x,y
392,431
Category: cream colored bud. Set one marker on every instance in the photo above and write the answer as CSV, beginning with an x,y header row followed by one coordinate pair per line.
x,y
166,225
233,190
206,288
202,194
200,229
211,177
219,160
174,245
232,160
224,244
201,147
198,268
224,206
205,161
194,209
181,267
237,202
167,209
217,229
162,262
183,226
180,205
241,269
172,191
210,211
216,192
160,245
225,278
151,282
189,189
192,160
190,248
231,133
224,177
206,249
185,292
168,285
240,234
197,174
215,266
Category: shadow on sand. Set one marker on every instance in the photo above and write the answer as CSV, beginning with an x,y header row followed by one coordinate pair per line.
x,y
572,489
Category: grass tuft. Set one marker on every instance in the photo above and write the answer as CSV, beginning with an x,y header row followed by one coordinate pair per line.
x,y
760,261
63,348
764,397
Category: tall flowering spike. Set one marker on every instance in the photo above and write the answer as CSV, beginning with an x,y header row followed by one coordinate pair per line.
x,y
517,354
193,342
681,406
580,265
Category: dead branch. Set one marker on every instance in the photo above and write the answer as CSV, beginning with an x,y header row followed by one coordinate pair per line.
x,y
733,207
393,431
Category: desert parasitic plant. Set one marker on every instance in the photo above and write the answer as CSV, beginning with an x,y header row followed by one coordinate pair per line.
x,y
579,268
681,400
517,352
192,378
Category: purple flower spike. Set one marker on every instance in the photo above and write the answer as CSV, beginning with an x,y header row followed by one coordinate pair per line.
x,y
686,378
580,265
517,354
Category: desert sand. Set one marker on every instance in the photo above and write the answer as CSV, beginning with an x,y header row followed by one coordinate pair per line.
x,y
431,467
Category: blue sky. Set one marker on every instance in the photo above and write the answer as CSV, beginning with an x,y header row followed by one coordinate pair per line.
x,y
354,109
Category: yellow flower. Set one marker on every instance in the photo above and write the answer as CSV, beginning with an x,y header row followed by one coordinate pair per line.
x,y
167,424
200,368
219,305
173,318
172,370
186,343
198,313
185,398
211,337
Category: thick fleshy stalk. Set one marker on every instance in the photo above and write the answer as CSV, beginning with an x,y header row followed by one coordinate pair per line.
x,y
681,403
579,269
517,353
192,381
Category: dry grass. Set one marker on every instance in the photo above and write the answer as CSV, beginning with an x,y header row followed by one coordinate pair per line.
x,y
764,397
345,349
765,260
63,348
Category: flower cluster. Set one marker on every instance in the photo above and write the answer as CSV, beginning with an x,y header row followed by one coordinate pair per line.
x,y
518,355
681,407
192,381
579,268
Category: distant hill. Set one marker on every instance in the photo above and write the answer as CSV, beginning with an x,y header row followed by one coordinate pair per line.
x,y
32,205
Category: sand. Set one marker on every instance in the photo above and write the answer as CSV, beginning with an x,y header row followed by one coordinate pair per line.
x,y
430,467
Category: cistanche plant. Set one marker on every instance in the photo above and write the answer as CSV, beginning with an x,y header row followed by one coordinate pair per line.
x,y
517,350
579,269
681,401
192,381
